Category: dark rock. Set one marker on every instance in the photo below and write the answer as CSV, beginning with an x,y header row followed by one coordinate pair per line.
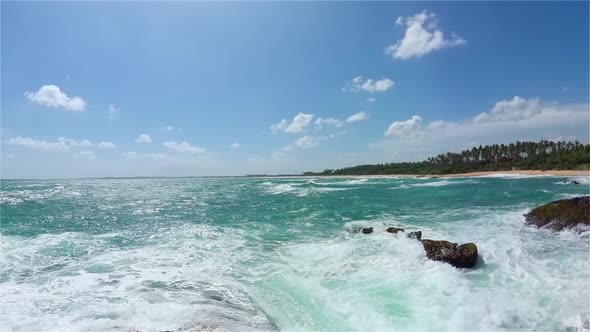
x,y
461,256
353,229
394,230
367,230
561,214
415,235
574,182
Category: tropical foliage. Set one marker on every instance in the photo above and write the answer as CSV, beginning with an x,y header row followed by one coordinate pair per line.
x,y
543,155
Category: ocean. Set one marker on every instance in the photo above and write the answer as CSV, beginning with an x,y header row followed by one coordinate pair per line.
x,y
229,254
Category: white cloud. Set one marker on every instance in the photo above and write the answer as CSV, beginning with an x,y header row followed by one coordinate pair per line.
x,y
74,143
300,121
51,96
360,116
88,155
511,110
357,84
235,145
371,99
59,146
421,37
306,142
183,146
404,128
516,119
555,120
143,138
281,126
106,145
330,121
113,112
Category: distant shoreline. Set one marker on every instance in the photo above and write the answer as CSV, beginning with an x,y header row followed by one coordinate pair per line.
x,y
456,175
563,173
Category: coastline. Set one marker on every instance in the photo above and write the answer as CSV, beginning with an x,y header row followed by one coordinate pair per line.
x,y
557,173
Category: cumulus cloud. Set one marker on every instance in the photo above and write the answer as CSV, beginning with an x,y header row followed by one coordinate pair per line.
x,y
422,36
359,84
143,138
184,147
300,121
360,116
554,121
106,145
319,122
511,110
337,123
75,143
234,145
306,142
59,146
506,116
113,112
52,96
404,128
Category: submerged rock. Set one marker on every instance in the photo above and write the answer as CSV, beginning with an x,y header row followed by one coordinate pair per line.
x,y
394,230
367,230
464,255
412,235
561,214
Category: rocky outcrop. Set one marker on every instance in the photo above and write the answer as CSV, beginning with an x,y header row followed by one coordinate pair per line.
x,y
415,235
367,230
561,214
463,256
412,235
394,230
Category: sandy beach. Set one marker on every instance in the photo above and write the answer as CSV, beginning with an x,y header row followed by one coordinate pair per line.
x,y
524,172
472,174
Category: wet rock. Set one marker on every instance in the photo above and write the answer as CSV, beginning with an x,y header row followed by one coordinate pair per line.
x,y
394,230
354,229
367,230
574,182
415,235
561,214
463,256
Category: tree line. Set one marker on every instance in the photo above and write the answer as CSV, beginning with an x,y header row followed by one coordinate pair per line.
x,y
543,155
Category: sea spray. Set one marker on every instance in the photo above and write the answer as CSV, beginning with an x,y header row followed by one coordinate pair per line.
x,y
264,254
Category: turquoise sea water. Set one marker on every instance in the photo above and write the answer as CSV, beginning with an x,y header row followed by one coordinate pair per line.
x,y
277,254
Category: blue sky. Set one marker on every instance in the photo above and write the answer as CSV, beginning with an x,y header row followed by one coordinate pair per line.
x,y
208,84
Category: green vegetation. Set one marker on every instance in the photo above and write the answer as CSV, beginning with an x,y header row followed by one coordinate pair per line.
x,y
543,155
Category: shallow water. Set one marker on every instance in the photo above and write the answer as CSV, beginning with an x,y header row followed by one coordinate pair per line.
x,y
277,254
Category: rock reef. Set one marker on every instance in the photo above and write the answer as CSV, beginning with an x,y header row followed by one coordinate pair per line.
x,y
561,214
461,256
464,256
